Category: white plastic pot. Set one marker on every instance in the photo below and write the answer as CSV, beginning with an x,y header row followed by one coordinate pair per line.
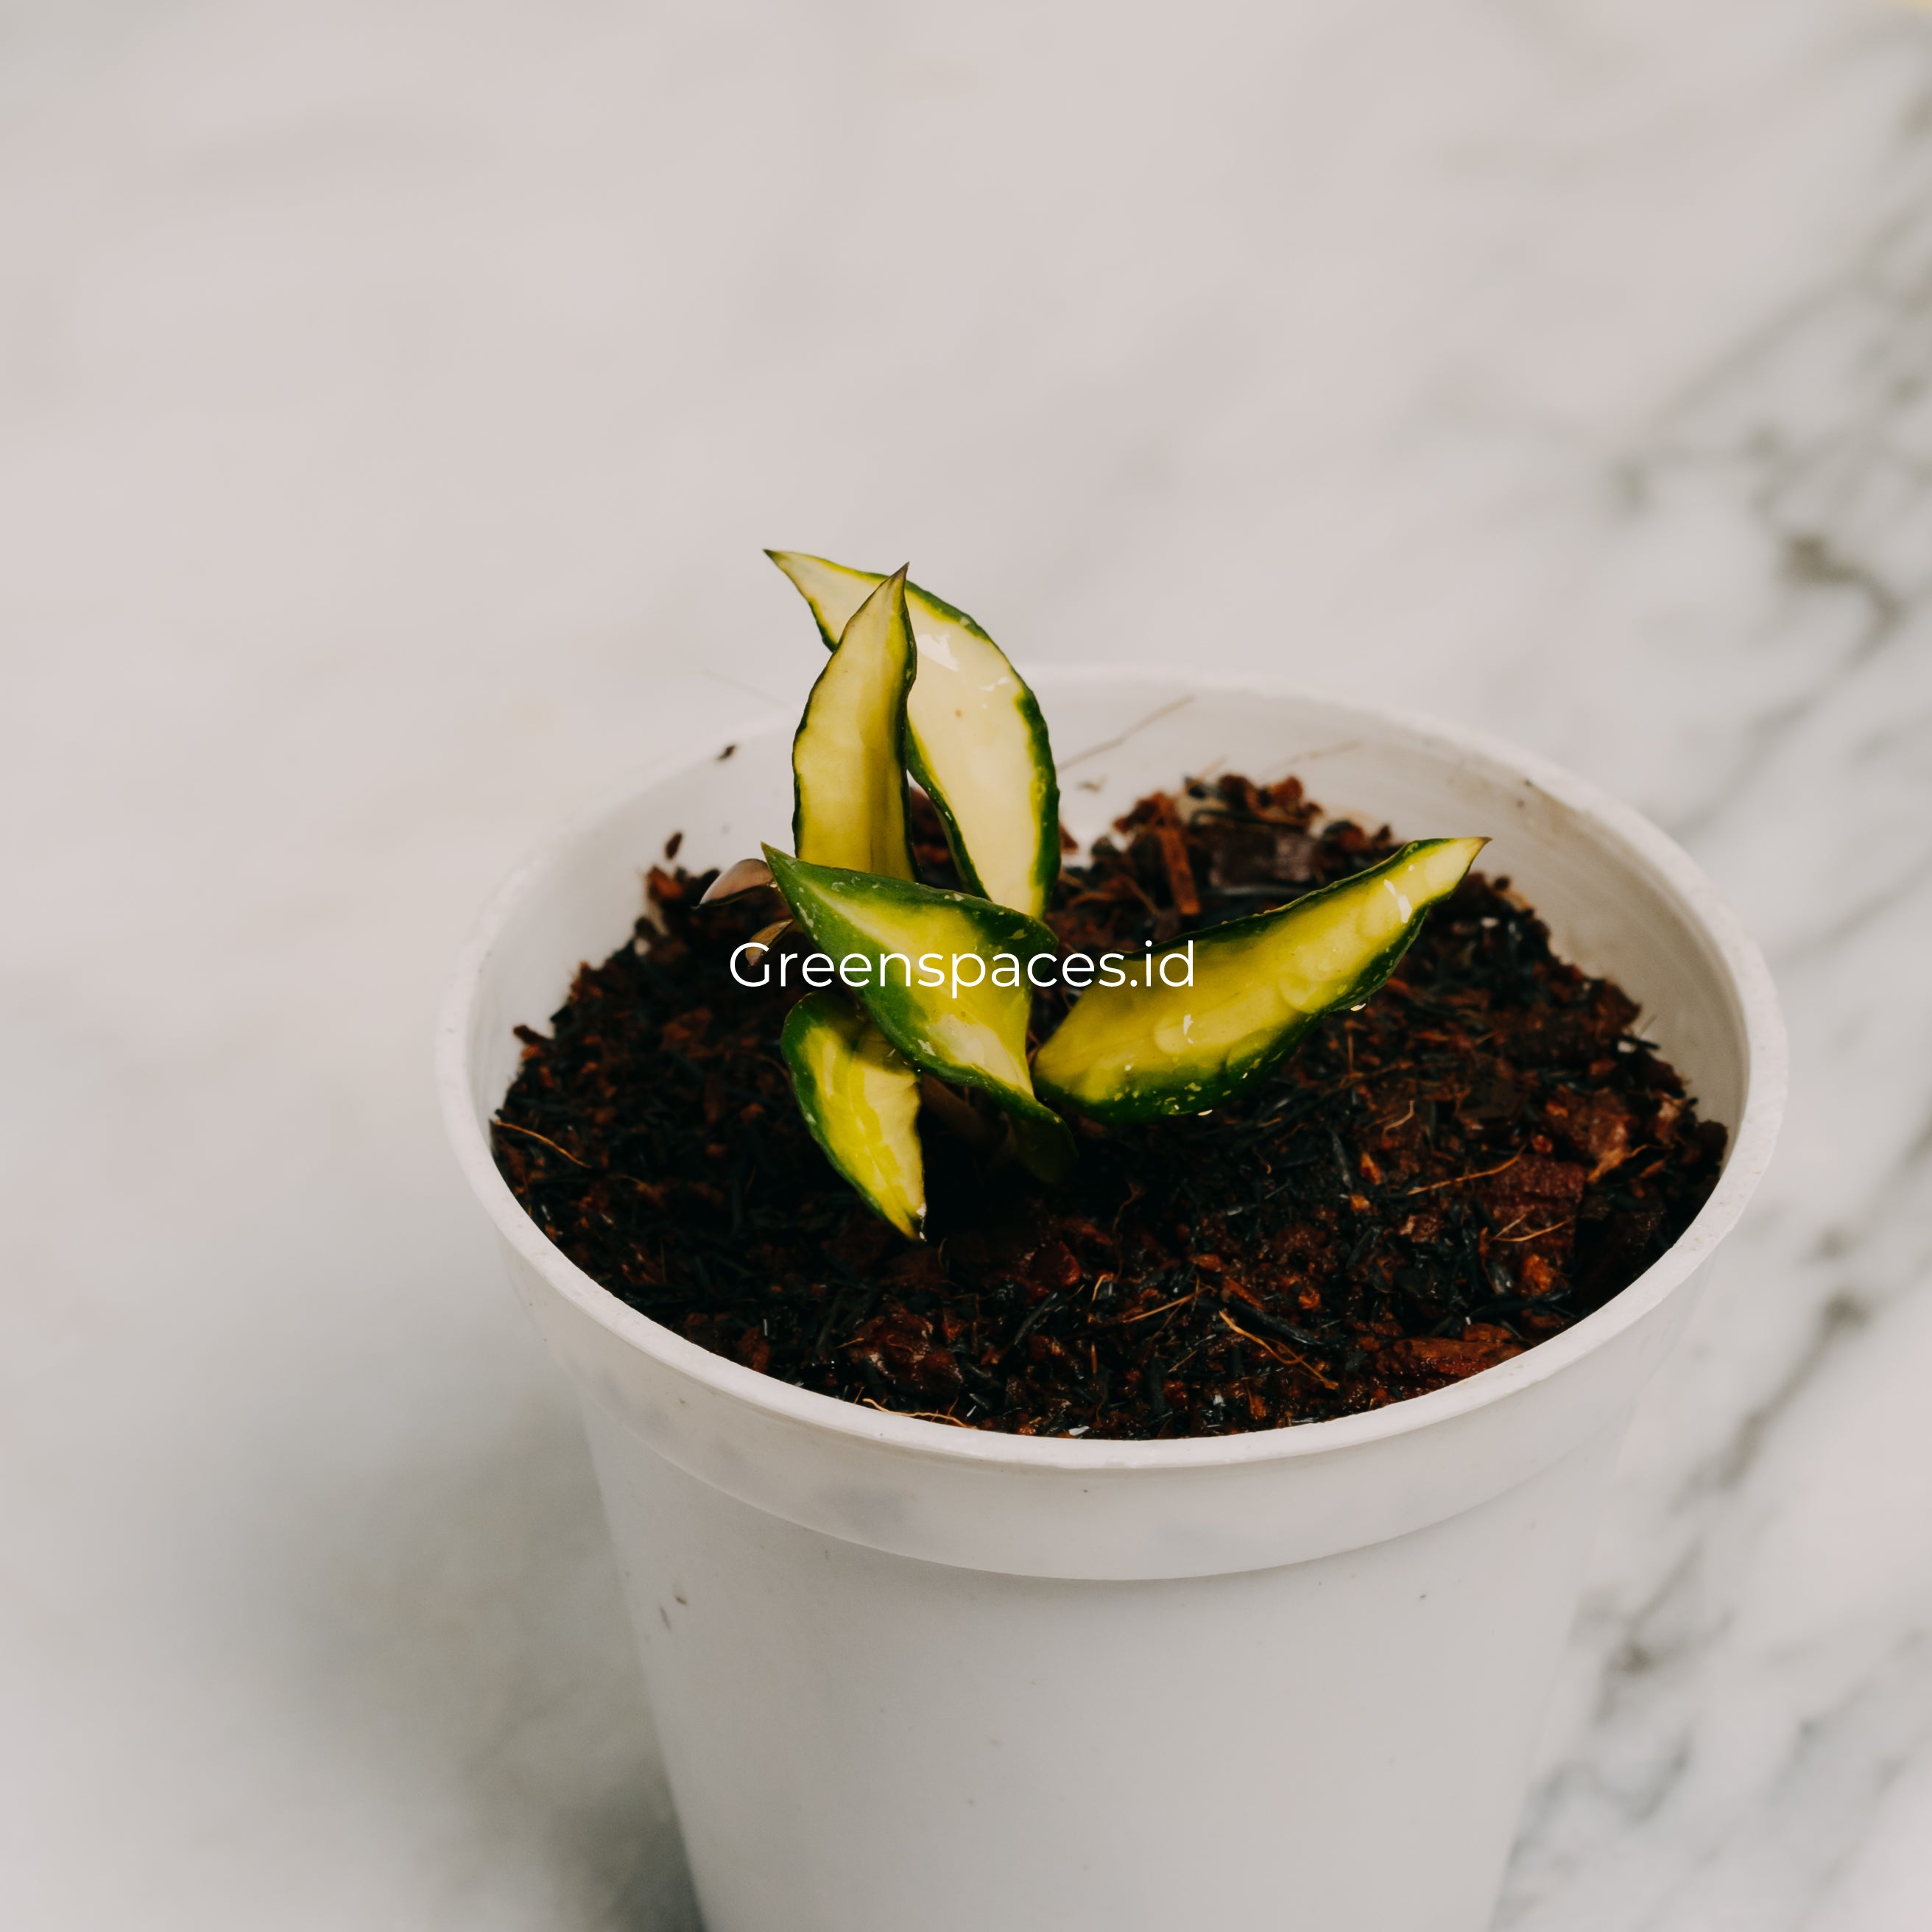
x,y
914,1679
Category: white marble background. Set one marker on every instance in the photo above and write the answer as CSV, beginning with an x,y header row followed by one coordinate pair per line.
x,y
395,394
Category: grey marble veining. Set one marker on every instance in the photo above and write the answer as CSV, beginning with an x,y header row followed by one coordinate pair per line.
x,y
395,398
1748,1735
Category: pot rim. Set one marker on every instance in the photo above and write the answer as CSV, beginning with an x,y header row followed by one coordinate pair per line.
x,y
1749,1153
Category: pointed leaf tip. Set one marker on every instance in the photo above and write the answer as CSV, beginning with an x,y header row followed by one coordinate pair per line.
x,y
975,739
847,764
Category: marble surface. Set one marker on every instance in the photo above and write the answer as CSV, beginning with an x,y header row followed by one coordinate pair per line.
x,y
395,396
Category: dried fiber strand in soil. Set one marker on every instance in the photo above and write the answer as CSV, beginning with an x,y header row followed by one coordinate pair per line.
x,y
1482,1156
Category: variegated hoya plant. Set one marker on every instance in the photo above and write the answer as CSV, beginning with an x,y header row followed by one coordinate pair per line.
x,y
914,687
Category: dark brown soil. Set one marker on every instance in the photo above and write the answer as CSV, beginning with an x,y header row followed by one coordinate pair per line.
x,y
1482,1155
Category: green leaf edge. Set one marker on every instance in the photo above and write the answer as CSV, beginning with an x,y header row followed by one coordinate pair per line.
x,y
1236,1080
905,743
1045,869
808,1014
